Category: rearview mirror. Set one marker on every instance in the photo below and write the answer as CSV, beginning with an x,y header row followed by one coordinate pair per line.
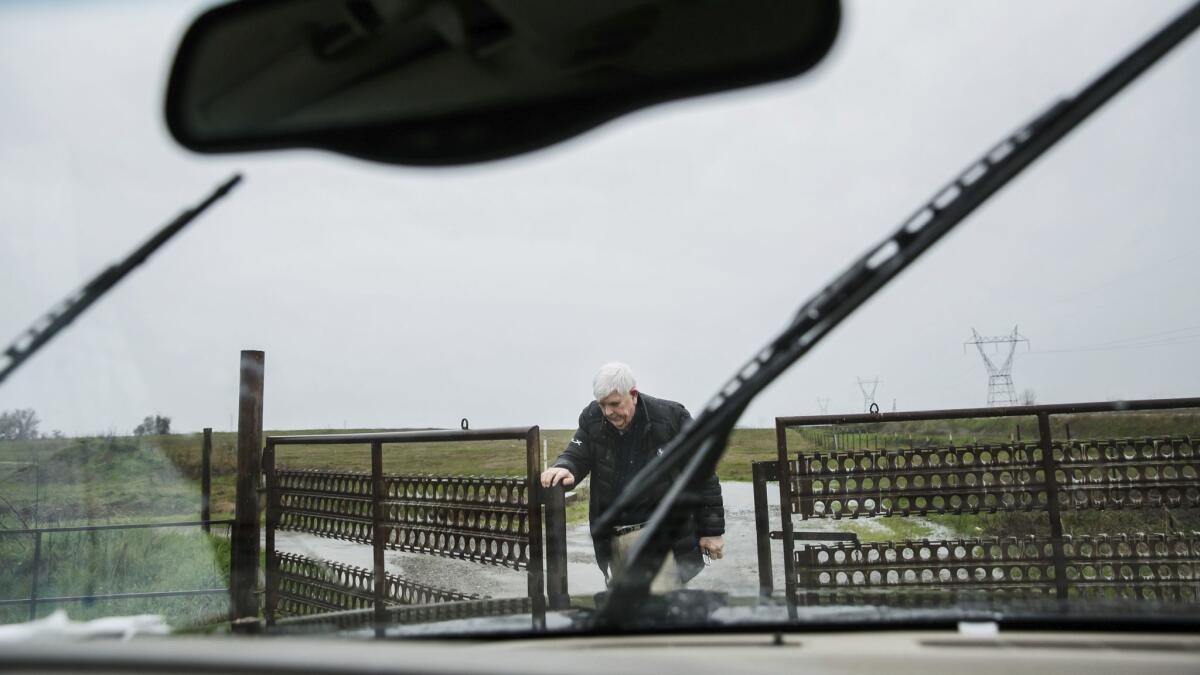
x,y
436,82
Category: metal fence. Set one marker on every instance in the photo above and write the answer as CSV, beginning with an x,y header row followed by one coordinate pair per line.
x,y
37,533
205,523
1044,475
486,520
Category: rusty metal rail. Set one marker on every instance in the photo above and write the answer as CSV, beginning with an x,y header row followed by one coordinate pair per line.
x,y
494,521
1152,566
470,518
1044,475
1103,474
309,585
409,614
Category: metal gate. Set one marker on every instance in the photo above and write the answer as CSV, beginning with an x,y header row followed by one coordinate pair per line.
x,y
1047,476
487,520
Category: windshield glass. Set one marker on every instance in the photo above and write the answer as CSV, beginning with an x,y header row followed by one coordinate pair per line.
x,y
326,299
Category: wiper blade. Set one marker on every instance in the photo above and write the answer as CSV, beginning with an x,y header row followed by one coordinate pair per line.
x,y
62,314
700,445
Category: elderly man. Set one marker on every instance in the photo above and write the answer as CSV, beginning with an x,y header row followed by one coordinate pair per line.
x,y
618,434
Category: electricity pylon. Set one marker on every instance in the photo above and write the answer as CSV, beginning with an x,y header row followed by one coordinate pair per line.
x,y
868,396
1000,384
823,404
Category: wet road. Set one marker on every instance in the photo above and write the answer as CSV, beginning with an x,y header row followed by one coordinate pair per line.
x,y
736,573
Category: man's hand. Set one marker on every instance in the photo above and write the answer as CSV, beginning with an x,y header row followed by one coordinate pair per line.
x,y
713,546
555,475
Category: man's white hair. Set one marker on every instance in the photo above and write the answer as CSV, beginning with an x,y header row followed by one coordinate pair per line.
x,y
612,377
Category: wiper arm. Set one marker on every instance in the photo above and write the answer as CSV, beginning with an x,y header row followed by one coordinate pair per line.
x,y
61,315
699,446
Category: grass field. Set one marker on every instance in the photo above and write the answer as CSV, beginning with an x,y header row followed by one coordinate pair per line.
x,y
999,430
74,564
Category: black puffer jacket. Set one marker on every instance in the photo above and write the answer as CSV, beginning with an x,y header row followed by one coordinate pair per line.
x,y
593,450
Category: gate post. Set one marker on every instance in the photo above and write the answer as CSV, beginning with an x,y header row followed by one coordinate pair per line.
x,y
206,479
245,549
556,547
1049,473
785,510
33,582
271,576
533,498
378,539
759,472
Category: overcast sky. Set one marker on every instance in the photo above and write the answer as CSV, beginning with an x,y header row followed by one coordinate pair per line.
x,y
677,239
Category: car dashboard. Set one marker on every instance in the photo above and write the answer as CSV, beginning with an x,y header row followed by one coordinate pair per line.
x,y
897,652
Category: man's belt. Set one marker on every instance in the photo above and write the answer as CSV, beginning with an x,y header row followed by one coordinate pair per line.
x,y
626,529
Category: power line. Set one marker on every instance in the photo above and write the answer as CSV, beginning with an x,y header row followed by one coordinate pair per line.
x,y
1139,338
1168,342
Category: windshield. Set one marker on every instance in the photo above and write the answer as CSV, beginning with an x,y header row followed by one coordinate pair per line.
x,y
408,374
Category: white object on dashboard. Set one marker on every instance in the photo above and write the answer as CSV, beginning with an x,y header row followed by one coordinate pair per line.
x,y
978,628
57,626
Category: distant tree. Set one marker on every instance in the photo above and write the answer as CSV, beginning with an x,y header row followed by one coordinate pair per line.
x,y
1029,397
153,425
19,425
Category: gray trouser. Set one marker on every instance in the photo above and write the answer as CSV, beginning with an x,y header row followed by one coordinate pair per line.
x,y
667,578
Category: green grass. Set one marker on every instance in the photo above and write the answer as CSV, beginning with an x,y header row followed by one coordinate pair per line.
x,y
1098,426
888,529
746,446
118,561
577,510
91,480
478,458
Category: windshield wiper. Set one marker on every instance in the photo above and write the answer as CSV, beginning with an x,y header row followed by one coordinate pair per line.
x,y
61,315
700,445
